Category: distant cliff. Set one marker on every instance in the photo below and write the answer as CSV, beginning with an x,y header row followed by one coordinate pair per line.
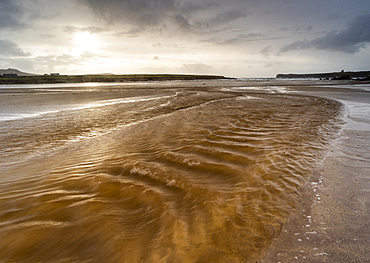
x,y
332,75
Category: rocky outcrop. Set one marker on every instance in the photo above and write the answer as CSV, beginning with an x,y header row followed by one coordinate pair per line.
x,y
333,75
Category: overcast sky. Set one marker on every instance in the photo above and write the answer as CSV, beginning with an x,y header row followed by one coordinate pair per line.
x,y
237,38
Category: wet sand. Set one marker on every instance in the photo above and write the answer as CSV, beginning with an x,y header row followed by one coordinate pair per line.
x,y
329,223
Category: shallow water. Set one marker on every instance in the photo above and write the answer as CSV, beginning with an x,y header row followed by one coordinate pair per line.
x,y
332,222
154,174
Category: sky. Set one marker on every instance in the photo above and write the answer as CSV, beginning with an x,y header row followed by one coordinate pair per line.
x,y
235,38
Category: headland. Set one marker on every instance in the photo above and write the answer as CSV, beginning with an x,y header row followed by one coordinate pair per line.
x,y
342,75
13,76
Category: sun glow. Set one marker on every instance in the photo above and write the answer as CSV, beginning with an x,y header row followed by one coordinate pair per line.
x,y
84,41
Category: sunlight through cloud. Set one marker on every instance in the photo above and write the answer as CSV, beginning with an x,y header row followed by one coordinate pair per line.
x,y
84,41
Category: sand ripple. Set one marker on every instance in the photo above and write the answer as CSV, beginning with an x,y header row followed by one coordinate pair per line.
x,y
196,177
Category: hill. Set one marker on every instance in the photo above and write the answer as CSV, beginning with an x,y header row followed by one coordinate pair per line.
x,y
47,79
16,71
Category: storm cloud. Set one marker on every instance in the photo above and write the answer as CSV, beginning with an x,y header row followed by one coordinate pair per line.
x,y
10,49
132,11
11,14
226,37
350,40
187,15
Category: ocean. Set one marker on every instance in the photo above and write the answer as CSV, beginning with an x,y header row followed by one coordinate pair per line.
x,y
186,171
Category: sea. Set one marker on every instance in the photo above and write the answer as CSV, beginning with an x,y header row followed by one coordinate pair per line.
x,y
174,171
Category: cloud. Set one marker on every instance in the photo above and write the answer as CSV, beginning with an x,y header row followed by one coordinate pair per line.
x,y
20,14
265,52
182,22
10,49
349,40
11,15
161,45
133,32
239,39
242,38
53,61
88,55
299,29
184,15
185,68
197,68
91,30
228,16
139,12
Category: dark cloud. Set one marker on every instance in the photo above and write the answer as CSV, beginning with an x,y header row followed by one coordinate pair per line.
x,y
194,6
140,12
11,14
265,52
20,14
349,40
182,22
235,40
186,15
228,16
10,49
300,29
242,38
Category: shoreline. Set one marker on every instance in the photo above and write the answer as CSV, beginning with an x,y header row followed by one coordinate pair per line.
x,y
331,223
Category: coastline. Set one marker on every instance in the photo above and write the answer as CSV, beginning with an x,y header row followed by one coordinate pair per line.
x,y
331,224
55,79
332,75
331,221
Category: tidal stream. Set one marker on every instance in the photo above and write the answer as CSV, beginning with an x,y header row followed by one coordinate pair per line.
x,y
153,174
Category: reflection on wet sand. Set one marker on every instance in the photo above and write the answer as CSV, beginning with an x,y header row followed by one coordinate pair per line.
x,y
200,175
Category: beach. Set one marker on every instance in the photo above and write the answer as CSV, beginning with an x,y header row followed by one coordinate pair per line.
x,y
185,171
331,224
